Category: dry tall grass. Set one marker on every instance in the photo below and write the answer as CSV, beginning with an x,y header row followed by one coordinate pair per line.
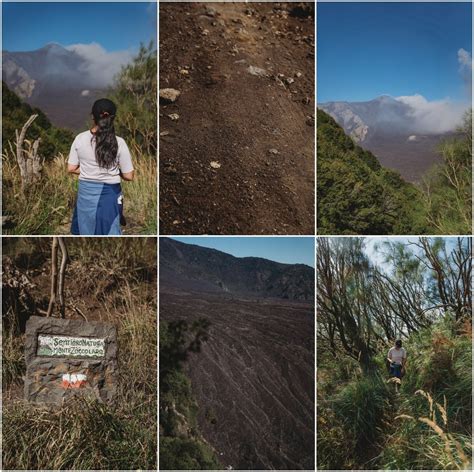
x,y
457,459
46,207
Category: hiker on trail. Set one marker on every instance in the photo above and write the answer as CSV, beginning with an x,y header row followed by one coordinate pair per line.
x,y
397,356
101,159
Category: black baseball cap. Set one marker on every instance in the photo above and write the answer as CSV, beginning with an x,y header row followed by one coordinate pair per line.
x,y
103,107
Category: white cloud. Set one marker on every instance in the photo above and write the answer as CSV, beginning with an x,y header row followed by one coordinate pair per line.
x,y
440,116
437,116
85,93
464,59
465,69
101,66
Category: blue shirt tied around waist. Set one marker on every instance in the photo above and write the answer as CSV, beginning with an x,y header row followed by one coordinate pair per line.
x,y
396,370
98,209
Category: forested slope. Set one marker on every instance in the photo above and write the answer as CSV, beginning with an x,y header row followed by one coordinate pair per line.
x,y
356,195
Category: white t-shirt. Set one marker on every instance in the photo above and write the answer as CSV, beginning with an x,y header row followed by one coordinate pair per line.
x,y
397,355
83,154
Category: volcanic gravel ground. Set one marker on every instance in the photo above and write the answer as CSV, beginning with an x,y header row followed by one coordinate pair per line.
x,y
237,146
253,379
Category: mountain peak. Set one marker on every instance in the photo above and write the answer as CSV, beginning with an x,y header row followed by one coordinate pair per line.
x,y
54,47
385,99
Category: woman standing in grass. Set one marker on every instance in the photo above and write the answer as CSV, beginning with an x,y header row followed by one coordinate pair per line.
x,y
397,357
101,159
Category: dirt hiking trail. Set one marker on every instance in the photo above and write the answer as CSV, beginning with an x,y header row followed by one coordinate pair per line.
x,y
237,146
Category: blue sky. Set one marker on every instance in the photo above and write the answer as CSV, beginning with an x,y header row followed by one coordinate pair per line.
x,y
296,250
375,247
368,49
115,26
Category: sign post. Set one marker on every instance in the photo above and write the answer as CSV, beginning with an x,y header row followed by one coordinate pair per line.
x,y
66,358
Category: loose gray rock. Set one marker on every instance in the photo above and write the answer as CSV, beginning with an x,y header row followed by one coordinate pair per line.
x,y
169,95
274,151
210,12
257,71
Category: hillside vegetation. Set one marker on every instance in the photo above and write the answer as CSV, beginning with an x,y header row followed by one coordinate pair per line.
x,y
15,113
46,206
117,285
447,189
356,195
421,294
181,445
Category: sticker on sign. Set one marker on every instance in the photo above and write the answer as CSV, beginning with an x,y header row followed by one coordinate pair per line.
x,y
68,346
74,380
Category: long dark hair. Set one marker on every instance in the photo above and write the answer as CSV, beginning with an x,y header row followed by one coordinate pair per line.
x,y
106,146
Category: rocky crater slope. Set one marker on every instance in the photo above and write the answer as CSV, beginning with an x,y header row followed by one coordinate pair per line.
x,y
253,379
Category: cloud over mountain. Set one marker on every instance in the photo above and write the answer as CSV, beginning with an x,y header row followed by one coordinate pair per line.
x,y
63,81
441,116
100,65
433,117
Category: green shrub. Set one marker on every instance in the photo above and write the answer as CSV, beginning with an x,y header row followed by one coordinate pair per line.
x,y
361,406
181,445
335,447
186,454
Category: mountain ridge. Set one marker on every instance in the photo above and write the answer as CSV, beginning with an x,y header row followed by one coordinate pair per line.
x,y
195,267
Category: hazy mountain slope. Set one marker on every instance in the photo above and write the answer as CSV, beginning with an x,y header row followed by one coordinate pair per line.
x,y
356,195
54,79
195,267
389,128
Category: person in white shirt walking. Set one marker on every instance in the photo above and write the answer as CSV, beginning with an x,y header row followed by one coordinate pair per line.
x,y
397,356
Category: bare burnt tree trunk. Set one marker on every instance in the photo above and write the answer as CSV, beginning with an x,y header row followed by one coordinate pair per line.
x,y
57,286
342,297
62,272
27,158
54,275
453,275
